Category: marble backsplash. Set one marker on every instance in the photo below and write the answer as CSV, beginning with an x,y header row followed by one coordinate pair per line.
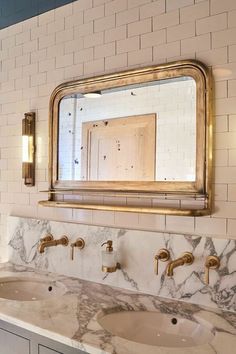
x,y
136,251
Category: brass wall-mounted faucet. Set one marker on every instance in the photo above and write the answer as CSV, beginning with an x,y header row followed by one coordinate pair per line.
x,y
212,262
187,258
162,255
48,241
79,243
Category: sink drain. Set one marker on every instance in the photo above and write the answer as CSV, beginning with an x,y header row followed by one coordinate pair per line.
x,y
174,321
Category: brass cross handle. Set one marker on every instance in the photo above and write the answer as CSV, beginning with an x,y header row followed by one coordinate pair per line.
x,y
163,255
212,262
80,243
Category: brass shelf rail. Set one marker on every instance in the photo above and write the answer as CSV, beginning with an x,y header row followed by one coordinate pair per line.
x,y
127,208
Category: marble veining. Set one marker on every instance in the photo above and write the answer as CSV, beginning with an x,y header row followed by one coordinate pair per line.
x,y
136,251
84,301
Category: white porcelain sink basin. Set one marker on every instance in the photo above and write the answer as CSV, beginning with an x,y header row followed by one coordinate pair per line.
x,y
29,289
156,329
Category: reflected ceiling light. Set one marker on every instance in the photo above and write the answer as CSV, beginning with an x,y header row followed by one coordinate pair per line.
x,y
28,149
93,94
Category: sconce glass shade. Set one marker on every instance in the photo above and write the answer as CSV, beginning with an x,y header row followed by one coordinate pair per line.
x,y
28,149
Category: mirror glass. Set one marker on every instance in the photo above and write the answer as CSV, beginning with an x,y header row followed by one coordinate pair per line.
x,y
141,132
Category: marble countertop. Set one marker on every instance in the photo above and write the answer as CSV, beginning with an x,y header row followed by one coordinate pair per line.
x,y
72,318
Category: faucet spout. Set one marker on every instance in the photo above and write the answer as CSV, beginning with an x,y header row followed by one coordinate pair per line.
x,y
50,242
187,258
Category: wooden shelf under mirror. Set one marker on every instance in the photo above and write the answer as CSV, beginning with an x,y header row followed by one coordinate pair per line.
x,y
145,134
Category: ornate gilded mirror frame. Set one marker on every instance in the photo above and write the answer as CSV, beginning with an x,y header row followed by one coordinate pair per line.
x,y
200,188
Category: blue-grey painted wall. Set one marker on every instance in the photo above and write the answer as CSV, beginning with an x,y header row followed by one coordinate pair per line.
x,y
14,11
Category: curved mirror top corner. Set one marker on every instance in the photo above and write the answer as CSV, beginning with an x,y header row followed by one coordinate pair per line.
x,y
140,127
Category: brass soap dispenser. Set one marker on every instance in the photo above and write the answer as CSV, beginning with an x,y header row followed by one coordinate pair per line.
x,y
109,258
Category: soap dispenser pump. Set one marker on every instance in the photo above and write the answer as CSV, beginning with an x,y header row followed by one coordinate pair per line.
x,y
109,259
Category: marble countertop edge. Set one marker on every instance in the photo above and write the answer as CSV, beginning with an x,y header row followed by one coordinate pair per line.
x,y
80,307
51,335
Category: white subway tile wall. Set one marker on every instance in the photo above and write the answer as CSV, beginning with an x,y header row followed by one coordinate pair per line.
x,y
88,37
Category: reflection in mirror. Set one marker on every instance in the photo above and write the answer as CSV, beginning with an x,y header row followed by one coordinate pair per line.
x,y
142,132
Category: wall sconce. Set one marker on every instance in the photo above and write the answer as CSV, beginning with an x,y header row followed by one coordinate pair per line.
x,y
28,149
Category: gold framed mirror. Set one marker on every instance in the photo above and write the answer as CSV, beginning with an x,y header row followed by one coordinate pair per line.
x,y
144,132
